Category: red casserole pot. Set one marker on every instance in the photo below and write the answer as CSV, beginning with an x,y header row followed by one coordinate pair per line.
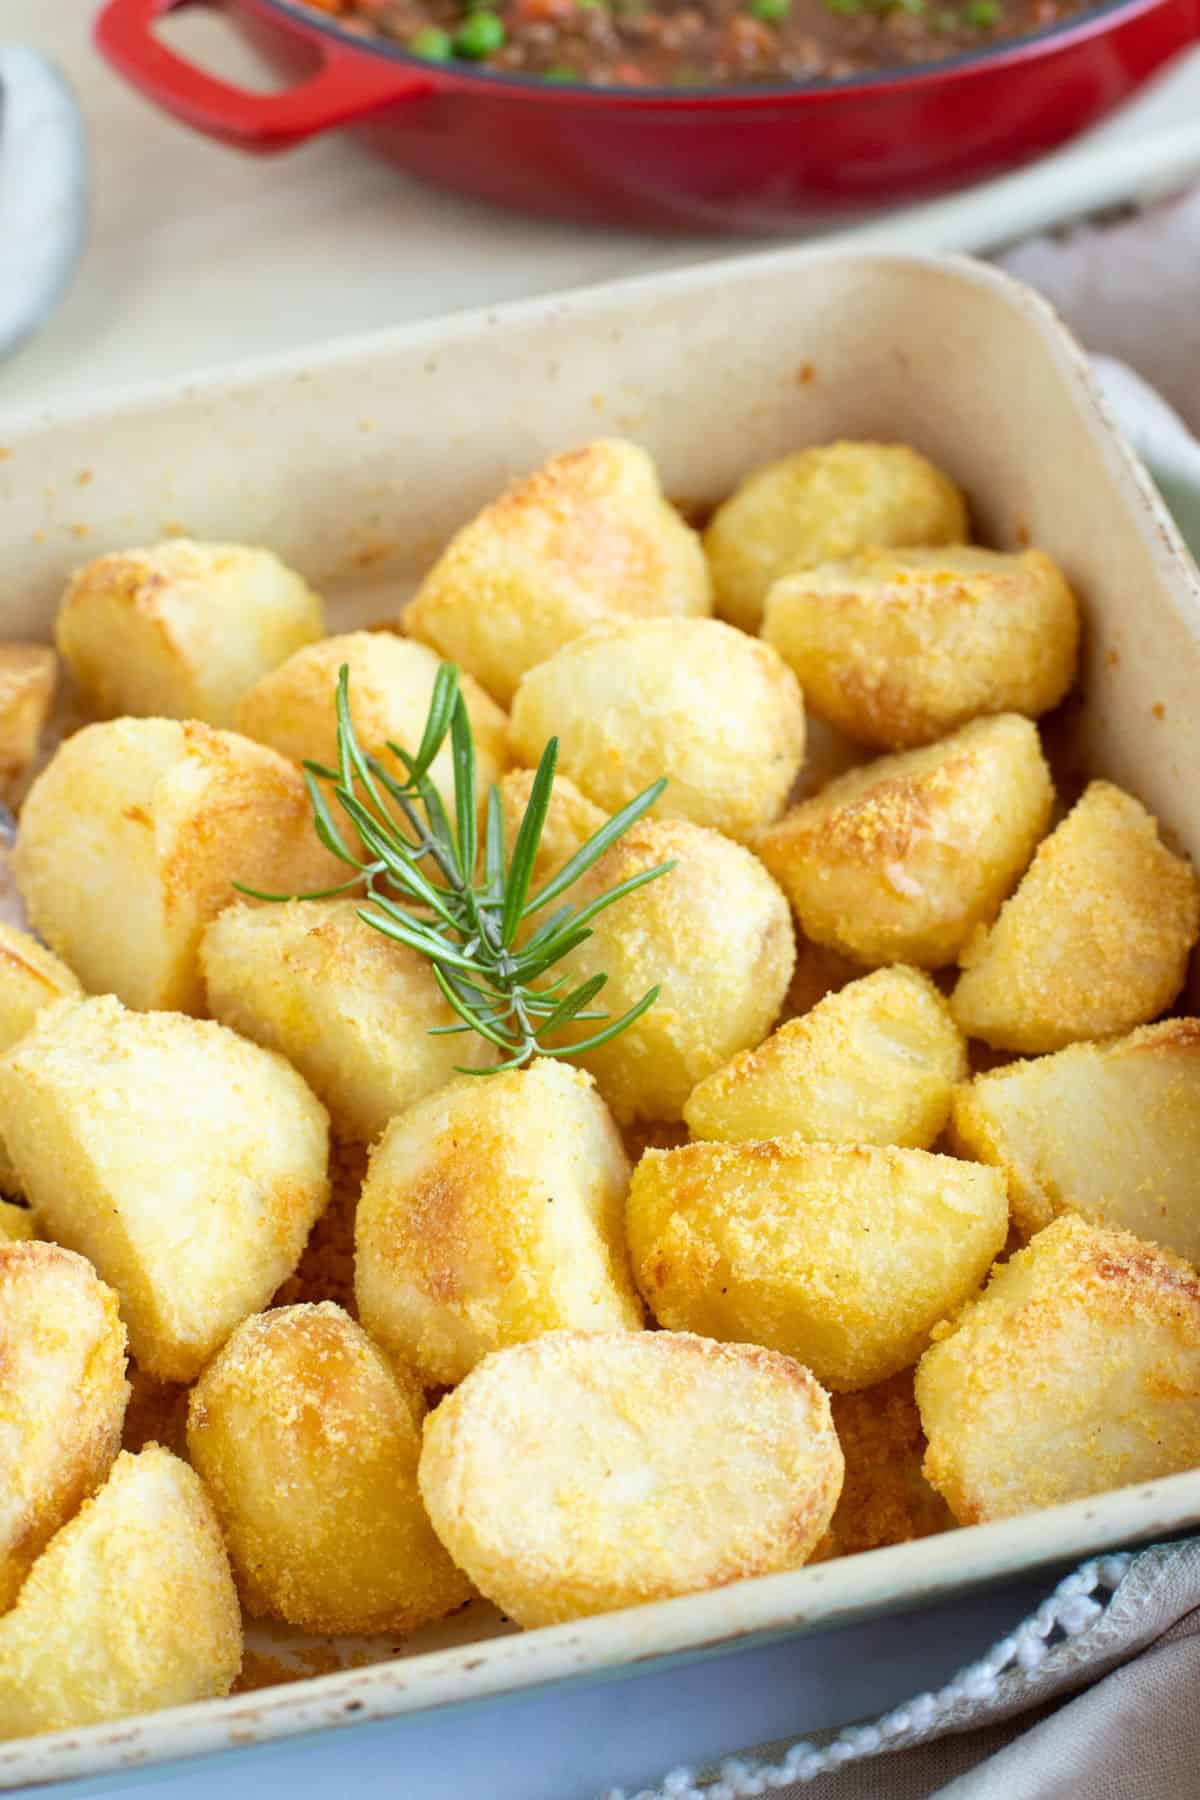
x,y
763,158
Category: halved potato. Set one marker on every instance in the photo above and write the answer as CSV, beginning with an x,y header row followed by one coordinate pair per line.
x,y
821,504
586,536
1108,1130
898,647
181,630
714,935
1077,1370
62,1397
716,712
31,978
584,1472
844,1256
899,861
132,837
308,1445
873,1063
28,677
1094,941
492,1211
885,1497
130,1607
391,685
348,1007
185,1163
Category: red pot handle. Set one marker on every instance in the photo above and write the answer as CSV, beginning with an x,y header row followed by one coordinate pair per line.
x,y
349,83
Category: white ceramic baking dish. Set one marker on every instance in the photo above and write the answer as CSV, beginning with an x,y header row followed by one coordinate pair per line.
x,y
355,463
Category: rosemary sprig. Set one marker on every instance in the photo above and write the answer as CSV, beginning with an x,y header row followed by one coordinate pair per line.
x,y
423,886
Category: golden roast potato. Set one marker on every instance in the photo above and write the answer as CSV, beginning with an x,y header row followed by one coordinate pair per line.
x,y
885,1497
28,677
17,1223
31,978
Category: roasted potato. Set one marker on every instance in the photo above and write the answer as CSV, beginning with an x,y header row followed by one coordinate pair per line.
x,y
716,712
182,630
885,1497
30,980
391,685
585,536
820,505
132,836
714,935
17,1224
571,819
874,1063
844,1256
28,677
308,1446
1094,941
185,1163
62,1397
493,1211
131,1606
898,647
584,1472
898,861
1109,1130
1077,1370
348,1007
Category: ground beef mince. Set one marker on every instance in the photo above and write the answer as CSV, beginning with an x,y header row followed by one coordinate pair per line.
x,y
700,43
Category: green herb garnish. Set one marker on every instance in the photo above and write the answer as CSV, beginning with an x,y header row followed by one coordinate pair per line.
x,y
464,919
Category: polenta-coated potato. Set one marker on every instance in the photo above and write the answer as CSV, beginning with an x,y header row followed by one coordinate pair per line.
x,y
1108,1130
898,647
714,935
182,630
131,1606
28,677
821,505
308,1446
31,978
493,1211
187,1164
62,1397
580,1472
1077,1370
718,713
1094,941
17,1223
571,819
351,1009
874,1063
586,536
131,838
391,685
844,1256
899,861
885,1497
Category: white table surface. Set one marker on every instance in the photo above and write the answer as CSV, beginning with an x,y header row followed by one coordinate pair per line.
x,y
198,256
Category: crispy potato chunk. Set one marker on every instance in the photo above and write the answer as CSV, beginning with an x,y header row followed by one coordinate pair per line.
x,y
583,1472
391,685
716,712
585,536
821,505
874,1063
132,836
885,1497
844,1256
1110,1130
898,647
714,935
30,980
182,630
62,1397
1077,1370
17,1223
571,819
308,1445
28,677
130,1607
1094,941
493,1211
898,861
185,1163
348,1007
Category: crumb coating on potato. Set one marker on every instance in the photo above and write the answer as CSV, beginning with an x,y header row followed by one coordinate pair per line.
x,y
844,1256
584,1472
885,1497
28,679
1094,941
1076,1371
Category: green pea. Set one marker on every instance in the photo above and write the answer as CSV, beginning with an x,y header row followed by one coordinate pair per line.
x,y
479,35
982,12
772,12
561,72
432,44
